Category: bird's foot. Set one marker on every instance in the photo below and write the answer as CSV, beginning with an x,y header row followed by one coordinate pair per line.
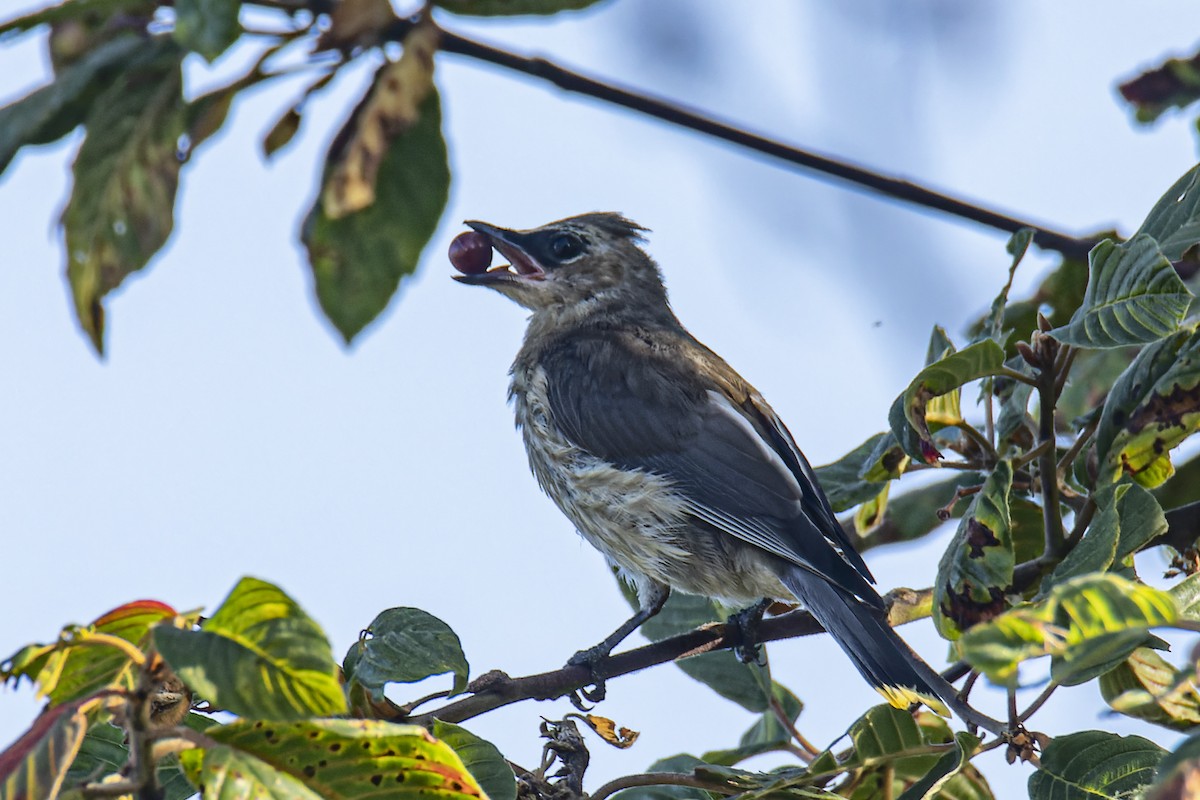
x,y
746,622
594,658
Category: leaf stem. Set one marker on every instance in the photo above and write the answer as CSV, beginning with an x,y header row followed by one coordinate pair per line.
x,y
809,751
1048,465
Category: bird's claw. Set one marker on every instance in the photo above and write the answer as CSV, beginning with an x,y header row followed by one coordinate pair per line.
x,y
746,621
593,658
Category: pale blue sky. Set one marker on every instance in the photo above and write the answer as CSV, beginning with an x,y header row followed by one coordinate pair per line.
x,y
229,433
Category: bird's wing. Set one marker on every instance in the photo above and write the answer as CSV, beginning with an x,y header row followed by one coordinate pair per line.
x,y
730,456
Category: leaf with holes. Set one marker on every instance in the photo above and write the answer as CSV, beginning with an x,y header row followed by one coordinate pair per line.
x,y
329,759
908,413
259,655
1134,296
406,645
1152,408
976,570
1091,765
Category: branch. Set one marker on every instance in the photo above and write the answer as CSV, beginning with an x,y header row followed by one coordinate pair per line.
x,y
825,166
661,779
495,689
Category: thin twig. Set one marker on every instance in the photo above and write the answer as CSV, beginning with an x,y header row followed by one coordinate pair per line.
x,y
1020,377
810,751
1077,446
984,444
1083,518
1031,456
1038,702
1048,465
1062,368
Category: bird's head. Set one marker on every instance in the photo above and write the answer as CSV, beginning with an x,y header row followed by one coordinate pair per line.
x,y
588,261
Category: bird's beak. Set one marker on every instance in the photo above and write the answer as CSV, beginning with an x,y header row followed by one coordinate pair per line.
x,y
522,267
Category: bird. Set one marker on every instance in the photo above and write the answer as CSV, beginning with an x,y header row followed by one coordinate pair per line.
x,y
666,459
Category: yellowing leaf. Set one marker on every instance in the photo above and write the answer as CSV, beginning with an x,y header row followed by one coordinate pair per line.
x,y
607,730
391,107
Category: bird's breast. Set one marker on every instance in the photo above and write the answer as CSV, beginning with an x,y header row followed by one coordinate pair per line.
x,y
634,517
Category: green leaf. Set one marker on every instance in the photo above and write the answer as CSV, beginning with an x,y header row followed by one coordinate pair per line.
x,y
104,753
406,645
682,763
1090,765
1146,686
1186,594
765,735
1087,624
495,8
748,685
854,479
481,758
207,27
1129,519
971,363
74,9
121,209
1134,296
328,760
35,765
891,744
53,111
1153,406
259,655
1174,222
976,569
67,670
359,259
947,767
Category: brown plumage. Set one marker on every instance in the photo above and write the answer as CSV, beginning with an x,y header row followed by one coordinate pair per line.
x,y
667,460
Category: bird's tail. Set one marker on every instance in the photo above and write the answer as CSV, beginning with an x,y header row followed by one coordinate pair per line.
x,y
887,663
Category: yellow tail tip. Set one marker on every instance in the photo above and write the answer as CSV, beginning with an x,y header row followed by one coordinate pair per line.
x,y
903,697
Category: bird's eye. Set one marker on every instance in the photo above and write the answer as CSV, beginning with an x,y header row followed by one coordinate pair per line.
x,y
565,246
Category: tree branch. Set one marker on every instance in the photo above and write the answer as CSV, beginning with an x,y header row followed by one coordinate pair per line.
x,y
495,689
825,166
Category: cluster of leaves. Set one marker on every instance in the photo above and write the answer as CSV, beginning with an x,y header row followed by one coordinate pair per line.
x,y
119,721
118,73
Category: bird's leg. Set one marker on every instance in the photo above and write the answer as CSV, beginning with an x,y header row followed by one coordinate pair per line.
x,y
652,601
747,621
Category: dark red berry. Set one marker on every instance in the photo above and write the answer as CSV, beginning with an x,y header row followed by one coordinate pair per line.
x,y
471,253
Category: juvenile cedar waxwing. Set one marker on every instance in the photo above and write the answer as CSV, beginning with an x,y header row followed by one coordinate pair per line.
x,y
665,459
